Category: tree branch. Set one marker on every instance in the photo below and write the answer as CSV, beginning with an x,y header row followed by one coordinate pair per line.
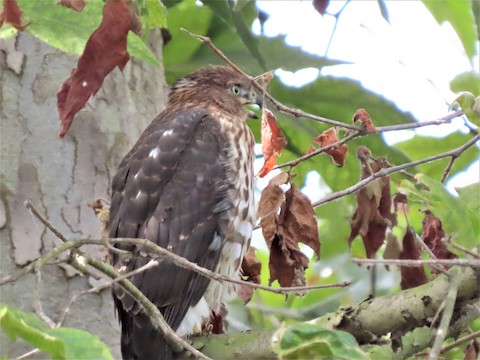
x,y
389,170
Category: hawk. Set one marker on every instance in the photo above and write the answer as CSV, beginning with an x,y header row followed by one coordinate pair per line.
x,y
187,185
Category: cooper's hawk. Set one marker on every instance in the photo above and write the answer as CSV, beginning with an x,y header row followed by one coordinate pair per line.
x,y
186,185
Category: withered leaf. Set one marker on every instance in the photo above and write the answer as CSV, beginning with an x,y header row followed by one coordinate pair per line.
x,y
12,14
251,271
298,220
321,6
76,5
296,224
338,154
105,49
373,214
433,236
272,196
217,321
362,116
273,141
411,276
472,351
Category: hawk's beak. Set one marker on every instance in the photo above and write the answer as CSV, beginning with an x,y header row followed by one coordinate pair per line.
x,y
254,99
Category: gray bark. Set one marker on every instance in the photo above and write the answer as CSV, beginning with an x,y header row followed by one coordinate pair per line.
x,y
62,177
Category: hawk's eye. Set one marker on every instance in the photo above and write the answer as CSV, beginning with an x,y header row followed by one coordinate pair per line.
x,y
236,89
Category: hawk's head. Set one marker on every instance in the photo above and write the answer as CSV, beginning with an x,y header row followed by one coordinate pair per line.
x,y
216,86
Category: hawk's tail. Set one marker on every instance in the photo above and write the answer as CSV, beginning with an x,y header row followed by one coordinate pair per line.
x,y
140,340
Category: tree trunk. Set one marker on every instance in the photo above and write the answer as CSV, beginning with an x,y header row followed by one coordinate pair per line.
x,y
61,177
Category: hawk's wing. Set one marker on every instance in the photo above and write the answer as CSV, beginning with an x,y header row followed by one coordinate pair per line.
x,y
170,189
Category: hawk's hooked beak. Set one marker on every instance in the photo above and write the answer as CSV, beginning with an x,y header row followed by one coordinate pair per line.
x,y
255,99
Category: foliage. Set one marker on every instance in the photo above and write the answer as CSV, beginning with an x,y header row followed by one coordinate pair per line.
x,y
60,343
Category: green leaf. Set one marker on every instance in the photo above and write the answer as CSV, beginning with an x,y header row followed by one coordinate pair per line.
x,y
227,12
460,15
425,146
308,341
157,14
467,81
69,30
458,215
182,46
470,105
81,344
137,48
29,327
60,26
60,343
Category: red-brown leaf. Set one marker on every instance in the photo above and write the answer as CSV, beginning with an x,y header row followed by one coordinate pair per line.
x,y
272,196
433,235
299,221
363,117
106,49
472,351
76,5
320,6
338,154
296,223
411,276
273,141
12,14
373,214
251,271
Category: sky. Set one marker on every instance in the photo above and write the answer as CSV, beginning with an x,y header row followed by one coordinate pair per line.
x,y
410,60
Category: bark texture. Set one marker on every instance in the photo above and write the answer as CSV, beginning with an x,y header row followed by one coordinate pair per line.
x,y
62,177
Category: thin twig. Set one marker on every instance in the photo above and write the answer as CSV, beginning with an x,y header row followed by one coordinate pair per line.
x,y
464,249
389,170
447,315
415,263
28,204
184,263
448,168
280,107
460,341
295,162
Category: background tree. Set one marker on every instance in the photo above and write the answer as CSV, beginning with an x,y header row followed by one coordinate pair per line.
x,y
62,176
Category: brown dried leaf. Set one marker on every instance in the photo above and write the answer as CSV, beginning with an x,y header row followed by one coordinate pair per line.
x,y
12,14
411,276
373,214
251,271
362,116
337,154
273,141
321,6
400,202
217,322
298,220
272,196
433,235
106,49
296,223
76,5
472,351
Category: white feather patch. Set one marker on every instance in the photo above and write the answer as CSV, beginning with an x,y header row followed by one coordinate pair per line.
x,y
195,317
